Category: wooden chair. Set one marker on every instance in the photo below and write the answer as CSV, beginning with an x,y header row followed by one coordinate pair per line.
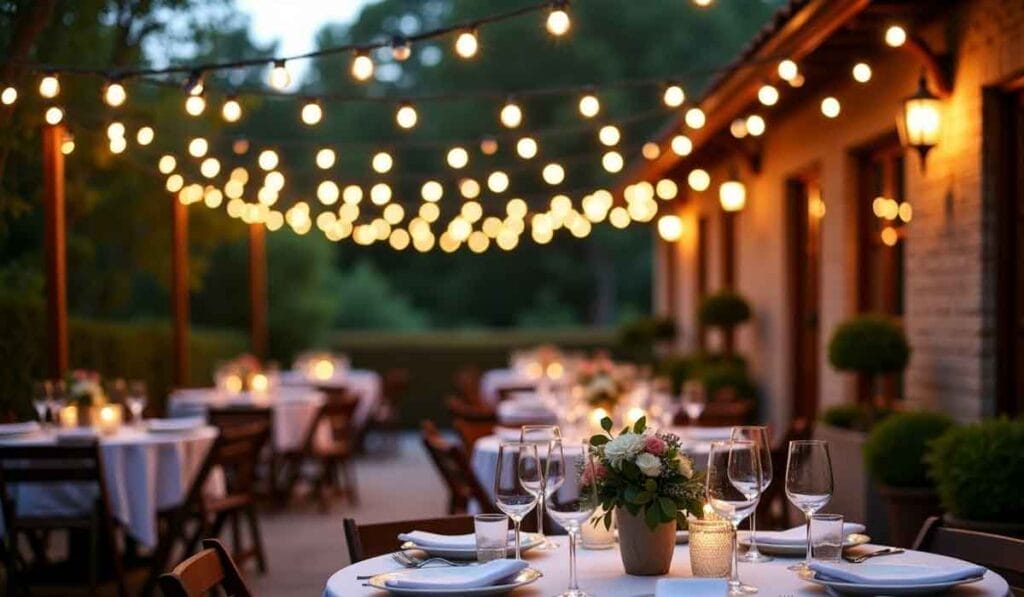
x,y
239,416
466,381
460,409
774,510
453,464
82,465
200,574
385,420
371,540
1002,555
332,453
470,431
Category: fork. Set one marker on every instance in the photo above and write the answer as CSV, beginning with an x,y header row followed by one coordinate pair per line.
x,y
408,561
886,551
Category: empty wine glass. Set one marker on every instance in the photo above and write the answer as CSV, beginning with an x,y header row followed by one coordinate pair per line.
x,y
759,436
694,400
809,483
42,394
572,509
517,467
58,398
135,400
733,490
544,437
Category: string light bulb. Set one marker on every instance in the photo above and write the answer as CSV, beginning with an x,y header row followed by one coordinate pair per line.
x,y
167,164
788,70
558,23
231,110
768,95
268,159
650,150
699,180
511,115
115,130
553,173
612,161
67,144
406,116
312,113
488,146
362,66
526,148
279,77
695,118
466,44
325,158
114,94
895,36
670,228
830,107
861,72
49,86
681,145
382,162
497,182
9,95
144,136
589,105
401,49
755,125
194,85
674,96
732,194
432,191
53,115
609,135
118,145
458,157
195,105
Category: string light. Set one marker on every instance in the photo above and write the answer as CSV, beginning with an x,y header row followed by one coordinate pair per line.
x,y
431,191
312,113
458,157
466,44
516,208
49,86
471,211
380,193
53,115
362,66
406,116
352,195
666,189
209,167
325,158
174,183
279,77
430,212
8,96
695,118
118,145
144,136
755,125
553,173
589,105
558,23
619,217
489,146
401,49
788,70
382,162
268,159
768,95
231,110
115,130
670,228
67,144
526,148
895,36
469,188
699,180
497,182
194,85
682,146
114,94
738,128
274,181
703,3
674,96
612,162
327,192
732,194
830,107
511,115
609,135
650,150
861,72
167,164
195,105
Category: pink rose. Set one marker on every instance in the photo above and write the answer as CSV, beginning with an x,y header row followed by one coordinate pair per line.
x,y
655,445
589,475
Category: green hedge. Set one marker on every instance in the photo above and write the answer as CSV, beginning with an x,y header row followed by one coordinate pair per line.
x,y
129,350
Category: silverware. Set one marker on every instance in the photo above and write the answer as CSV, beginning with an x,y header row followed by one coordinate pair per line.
x,y
408,561
885,551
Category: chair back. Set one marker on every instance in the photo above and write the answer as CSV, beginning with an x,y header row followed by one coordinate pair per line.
x,y
235,416
372,540
470,411
1002,555
209,569
469,431
236,452
458,475
337,414
396,384
467,384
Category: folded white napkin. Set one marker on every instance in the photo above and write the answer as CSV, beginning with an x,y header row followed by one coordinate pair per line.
x,y
175,424
797,535
425,539
691,587
897,574
458,577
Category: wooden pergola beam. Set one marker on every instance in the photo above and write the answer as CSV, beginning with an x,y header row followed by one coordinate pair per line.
x,y
55,242
258,289
179,290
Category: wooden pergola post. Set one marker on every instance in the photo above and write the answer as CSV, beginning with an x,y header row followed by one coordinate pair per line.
x,y
54,237
179,290
258,288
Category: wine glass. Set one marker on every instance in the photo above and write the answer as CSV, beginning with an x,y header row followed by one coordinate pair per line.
x,y
759,436
571,511
733,490
42,394
544,437
694,400
517,467
58,398
809,483
135,400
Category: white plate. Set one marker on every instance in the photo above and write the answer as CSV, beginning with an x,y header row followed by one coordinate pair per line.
x,y
174,425
847,588
799,550
13,430
530,540
524,577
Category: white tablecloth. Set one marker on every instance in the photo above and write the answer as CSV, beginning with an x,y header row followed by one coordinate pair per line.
x,y
493,379
294,409
601,573
522,410
363,383
144,474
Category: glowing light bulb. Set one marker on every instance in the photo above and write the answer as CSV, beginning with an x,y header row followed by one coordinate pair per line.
x,y
325,158
327,192
352,195
589,105
895,36
118,145
458,157
511,115
406,116
466,44
53,115
210,167
830,107
362,67
195,105
497,182
609,135
114,95
382,162
666,189
231,111
732,194
401,49
788,70
650,150
553,173
115,130
612,161
526,148
268,159
145,135
674,96
755,125
682,145
488,146
67,145
699,180
469,188
167,164
695,118
431,191
312,113
380,193
861,72
8,96
49,86
279,77
768,95
558,23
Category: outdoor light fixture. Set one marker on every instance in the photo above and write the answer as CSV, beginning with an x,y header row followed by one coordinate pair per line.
x,y
279,77
406,116
362,66
231,111
114,94
401,49
732,194
558,22
920,121
670,228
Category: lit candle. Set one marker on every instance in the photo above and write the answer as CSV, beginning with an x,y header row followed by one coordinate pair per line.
x,y
68,416
596,536
259,383
534,370
233,384
710,547
595,417
555,370
634,414
107,418
323,369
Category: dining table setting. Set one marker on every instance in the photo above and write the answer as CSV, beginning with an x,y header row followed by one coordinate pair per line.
x,y
643,518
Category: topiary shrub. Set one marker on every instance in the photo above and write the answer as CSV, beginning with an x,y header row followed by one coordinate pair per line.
x,y
856,417
895,449
638,336
725,309
870,344
978,469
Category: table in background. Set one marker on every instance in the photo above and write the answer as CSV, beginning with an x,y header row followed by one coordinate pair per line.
x,y
601,573
364,384
494,379
144,473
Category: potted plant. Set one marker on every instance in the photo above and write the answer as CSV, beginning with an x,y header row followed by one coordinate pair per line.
x,y
649,483
872,345
647,338
724,310
977,471
895,456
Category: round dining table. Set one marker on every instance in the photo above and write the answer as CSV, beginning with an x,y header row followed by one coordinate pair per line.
x,y
601,574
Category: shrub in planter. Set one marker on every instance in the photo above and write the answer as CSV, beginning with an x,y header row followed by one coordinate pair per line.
x,y
724,310
978,470
869,344
640,336
895,457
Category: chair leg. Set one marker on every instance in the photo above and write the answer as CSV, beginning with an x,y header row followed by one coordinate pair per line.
x,y
293,470
236,532
256,538
350,482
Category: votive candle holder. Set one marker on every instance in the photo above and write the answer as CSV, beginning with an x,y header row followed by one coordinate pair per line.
x,y
710,548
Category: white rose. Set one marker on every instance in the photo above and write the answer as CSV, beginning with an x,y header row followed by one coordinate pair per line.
x,y
622,448
649,464
685,467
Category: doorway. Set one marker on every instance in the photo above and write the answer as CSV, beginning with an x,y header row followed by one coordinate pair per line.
x,y
805,211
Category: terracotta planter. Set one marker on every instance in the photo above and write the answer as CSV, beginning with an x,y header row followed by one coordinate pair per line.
x,y
1006,529
908,509
645,552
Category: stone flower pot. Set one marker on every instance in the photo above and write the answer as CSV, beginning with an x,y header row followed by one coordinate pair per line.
x,y
645,552
908,508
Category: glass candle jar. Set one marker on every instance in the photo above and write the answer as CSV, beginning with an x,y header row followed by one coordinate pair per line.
x,y
596,536
710,548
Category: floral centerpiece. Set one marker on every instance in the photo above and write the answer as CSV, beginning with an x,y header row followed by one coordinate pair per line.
x,y
648,481
600,383
85,388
